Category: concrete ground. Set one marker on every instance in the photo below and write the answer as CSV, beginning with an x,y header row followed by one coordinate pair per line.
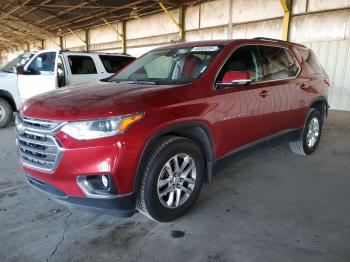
x,y
270,206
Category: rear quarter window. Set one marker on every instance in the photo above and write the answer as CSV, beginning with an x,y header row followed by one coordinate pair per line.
x,y
280,63
113,64
311,60
81,65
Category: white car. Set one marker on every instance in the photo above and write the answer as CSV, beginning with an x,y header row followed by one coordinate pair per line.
x,y
31,74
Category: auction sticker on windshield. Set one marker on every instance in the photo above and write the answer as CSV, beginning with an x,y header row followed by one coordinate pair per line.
x,y
205,49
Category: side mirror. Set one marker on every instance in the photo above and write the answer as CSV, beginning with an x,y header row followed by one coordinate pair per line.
x,y
235,78
20,70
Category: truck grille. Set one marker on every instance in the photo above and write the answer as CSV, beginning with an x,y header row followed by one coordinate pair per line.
x,y
37,146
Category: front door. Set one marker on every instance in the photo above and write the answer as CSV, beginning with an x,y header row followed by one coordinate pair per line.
x,y
243,112
40,75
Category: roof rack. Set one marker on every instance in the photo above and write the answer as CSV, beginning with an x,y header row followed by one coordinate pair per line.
x,y
277,40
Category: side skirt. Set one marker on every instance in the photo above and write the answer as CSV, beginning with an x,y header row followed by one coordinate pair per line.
x,y
245,150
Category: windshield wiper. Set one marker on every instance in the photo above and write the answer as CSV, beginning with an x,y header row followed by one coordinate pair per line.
x,y
145,82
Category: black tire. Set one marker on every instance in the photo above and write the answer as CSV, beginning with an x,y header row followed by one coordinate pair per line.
x,y
147,201
301,146
6,113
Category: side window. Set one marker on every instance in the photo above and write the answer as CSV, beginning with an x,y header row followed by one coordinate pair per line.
x,y
43,64
80,65
244,59
280,63
113,64
312,61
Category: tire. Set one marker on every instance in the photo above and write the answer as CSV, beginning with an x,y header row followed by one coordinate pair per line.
x,y
6,113
309,138
160,168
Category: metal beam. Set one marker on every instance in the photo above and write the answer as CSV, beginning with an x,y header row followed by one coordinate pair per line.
x,y
172,18
70,9
124,38
286,6
121,35
52,40
23,23
87,40
81,39
33,9
182,22
112,27
7,14
92,15
61,43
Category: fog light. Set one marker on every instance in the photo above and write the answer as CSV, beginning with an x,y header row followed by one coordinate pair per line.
x,y
104,181
98,186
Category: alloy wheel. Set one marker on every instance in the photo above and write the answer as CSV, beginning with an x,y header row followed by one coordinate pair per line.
x,y
313,132
176,181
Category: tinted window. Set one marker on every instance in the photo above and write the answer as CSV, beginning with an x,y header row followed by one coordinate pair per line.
x,y
10,67
310,58
81,65
113,64
43,64
280,63
244,59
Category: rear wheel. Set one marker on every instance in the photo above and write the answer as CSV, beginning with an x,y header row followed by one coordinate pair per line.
x,y
310,136
6,113
172,179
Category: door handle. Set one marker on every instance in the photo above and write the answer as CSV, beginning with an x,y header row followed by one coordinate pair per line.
x,y
304,86
265,93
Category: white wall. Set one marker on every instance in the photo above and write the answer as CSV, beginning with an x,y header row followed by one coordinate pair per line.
x,y
211,20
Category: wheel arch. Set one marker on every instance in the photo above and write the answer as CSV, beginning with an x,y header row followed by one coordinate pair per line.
x,y
197,131
8,97
321,104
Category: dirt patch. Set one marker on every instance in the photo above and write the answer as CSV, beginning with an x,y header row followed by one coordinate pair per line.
x,y
120,236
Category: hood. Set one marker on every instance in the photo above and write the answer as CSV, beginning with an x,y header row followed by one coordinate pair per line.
x,y
4,74
96,100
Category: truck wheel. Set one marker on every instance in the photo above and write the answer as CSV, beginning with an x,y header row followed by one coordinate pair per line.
x,y
172,179
310,136
6,113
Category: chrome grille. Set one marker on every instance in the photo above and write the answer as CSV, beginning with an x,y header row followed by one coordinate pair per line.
x,y
37,146
40,125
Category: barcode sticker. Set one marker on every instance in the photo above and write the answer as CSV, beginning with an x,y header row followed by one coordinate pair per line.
x,y
205,49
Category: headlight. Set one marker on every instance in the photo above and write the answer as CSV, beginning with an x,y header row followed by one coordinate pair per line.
x,y
85,130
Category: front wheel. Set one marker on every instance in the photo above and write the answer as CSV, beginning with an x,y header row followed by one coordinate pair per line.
x,y
6,113
172,179
310,136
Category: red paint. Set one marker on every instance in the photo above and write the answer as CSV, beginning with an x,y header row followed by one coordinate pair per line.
x,y
235,116
229,77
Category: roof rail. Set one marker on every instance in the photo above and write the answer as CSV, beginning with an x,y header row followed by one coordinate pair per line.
x,y
277,40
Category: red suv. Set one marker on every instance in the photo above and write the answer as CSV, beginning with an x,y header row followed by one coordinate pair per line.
x,y
149,137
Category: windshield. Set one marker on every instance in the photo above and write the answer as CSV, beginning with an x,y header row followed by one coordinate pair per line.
x,y
169,66
10,67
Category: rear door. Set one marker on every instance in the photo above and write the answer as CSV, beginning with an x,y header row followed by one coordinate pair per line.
x,y
113,64
243,113
81,69
40,76
281,70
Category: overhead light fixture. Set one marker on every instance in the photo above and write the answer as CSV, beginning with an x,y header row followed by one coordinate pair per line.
x,y
134,14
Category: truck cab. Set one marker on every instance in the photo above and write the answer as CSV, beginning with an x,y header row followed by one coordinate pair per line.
x,y
35,73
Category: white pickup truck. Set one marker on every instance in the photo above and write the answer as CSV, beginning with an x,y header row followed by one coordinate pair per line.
x,y
31,74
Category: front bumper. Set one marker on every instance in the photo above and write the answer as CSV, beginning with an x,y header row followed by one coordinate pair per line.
x,y
121,206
